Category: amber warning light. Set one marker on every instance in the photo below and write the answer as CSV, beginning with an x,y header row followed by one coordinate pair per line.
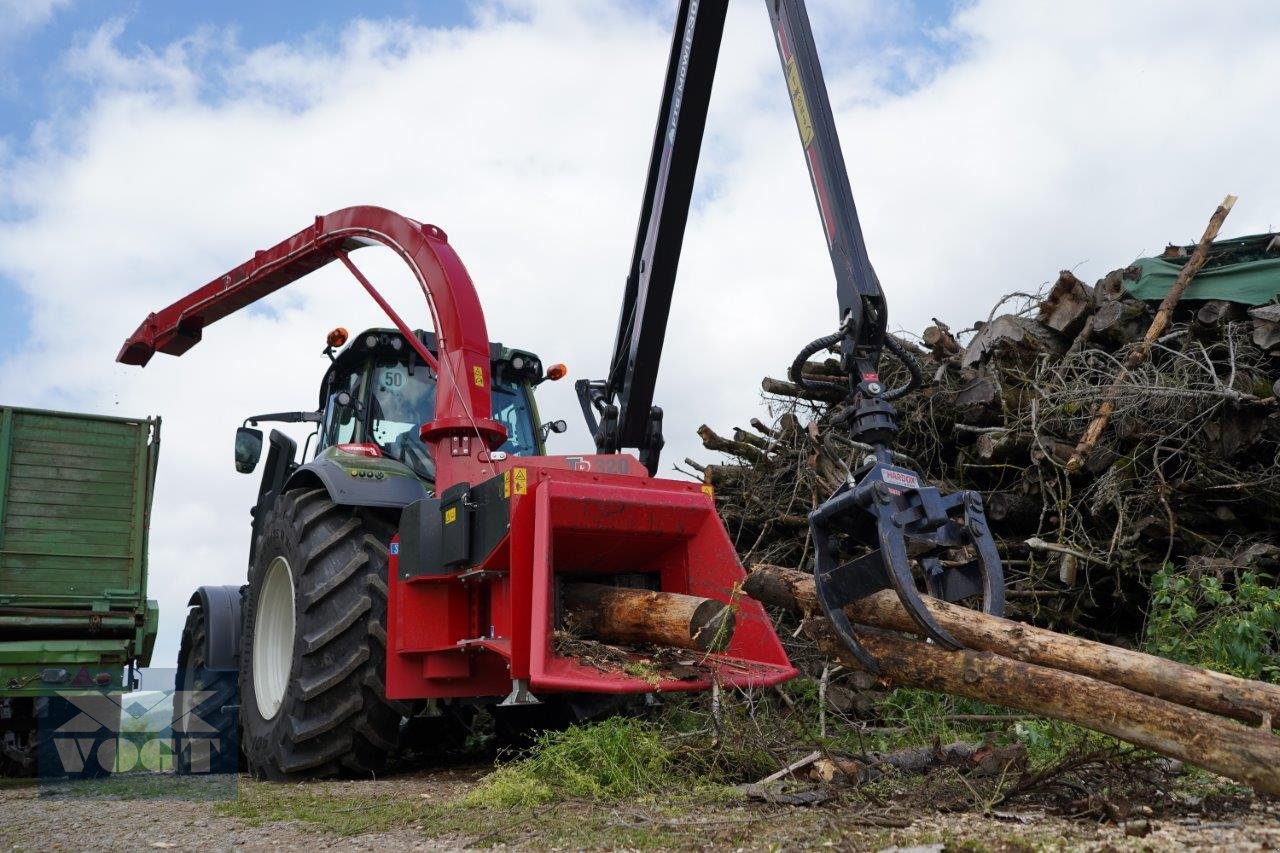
x,y
337,337
557,371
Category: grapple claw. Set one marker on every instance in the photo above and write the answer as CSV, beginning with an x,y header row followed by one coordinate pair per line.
x,y
907,524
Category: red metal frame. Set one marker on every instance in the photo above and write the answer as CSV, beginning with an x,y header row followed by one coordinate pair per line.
x,y
471,633
463,402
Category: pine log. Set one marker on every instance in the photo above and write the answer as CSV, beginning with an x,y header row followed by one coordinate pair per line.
x,y
630,616
1008,447
1249,755
1249,701
1214,312
712,441
1011,508
1111,286
787,389
978,402
1009,338
743,437
1118,322
1161,321
1068,304
1266,326
940,340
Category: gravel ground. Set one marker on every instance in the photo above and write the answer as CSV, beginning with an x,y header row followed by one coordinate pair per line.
x,y
285,817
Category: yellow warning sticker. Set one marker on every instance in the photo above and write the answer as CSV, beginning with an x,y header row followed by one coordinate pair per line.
x,y
520,476
477,376
451,515
506,484
708,491
798,104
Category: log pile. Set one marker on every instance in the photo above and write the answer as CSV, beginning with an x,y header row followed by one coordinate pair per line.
x,y
1185,470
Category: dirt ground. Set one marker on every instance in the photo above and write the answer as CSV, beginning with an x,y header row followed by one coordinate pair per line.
x,y
412,812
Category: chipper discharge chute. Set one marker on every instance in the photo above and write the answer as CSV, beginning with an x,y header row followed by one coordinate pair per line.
x,y
429,549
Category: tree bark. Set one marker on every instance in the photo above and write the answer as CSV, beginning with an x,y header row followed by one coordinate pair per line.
x,y
1253,702
787,389
1248,755
1068,304
629,616
712,441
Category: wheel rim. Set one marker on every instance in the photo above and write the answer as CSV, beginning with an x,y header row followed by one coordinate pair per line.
x,y
273,632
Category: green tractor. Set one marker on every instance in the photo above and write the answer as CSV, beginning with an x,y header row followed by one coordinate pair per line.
x,y
327,517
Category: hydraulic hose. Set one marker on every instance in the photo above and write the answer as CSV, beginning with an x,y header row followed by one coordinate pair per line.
x,y
903,355
891,343
797,366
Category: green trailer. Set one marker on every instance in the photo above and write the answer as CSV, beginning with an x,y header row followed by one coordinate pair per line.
x,y
75,507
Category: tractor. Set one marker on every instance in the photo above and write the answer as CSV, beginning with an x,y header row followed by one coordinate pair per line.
x,y
422,561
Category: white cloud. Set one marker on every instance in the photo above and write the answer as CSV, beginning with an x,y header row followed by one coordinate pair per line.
x,y
22,16
1090,132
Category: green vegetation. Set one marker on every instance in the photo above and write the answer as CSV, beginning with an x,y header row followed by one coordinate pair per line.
x,y
616,759
1228,624
260,803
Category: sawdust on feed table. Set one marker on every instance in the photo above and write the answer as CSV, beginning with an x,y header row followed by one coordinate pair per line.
x,y
652,663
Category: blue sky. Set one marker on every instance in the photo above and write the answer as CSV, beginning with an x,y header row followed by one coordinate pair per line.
x,y
35,84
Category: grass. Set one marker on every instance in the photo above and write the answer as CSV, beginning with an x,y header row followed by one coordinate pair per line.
x,y
261,803
616,759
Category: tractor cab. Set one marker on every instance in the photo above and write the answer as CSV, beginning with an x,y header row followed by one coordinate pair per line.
x,y
378,392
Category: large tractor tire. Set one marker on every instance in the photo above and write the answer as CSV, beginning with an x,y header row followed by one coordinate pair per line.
x,y
313,652
205,707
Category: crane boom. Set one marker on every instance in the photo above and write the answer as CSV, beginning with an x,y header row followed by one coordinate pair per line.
x,y
619,409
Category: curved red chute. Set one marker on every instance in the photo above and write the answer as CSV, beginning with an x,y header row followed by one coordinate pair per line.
x,y
463,402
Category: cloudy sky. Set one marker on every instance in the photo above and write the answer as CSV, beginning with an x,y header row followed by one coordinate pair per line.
x,y
146,147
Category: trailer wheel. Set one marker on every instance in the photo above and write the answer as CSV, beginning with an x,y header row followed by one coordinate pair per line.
x,y
313,650
205,706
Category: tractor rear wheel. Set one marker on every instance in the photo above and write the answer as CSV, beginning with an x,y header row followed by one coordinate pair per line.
x,y
204,707
313,652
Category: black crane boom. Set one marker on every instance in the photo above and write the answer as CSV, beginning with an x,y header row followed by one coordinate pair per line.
x,y
619,409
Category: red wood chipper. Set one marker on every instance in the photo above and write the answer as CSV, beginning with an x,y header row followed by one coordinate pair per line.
x,y
419,557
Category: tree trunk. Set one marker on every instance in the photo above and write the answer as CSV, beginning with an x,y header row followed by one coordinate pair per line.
x,y
1248,755
711,441
787,389
629,616
1068,304
1253,702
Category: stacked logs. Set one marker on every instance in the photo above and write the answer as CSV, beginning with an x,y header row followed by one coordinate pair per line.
x,y
1185,472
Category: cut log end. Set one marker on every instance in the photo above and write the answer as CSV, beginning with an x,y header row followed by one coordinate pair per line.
x,y
631,616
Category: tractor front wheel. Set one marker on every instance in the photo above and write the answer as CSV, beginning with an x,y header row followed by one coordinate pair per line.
x,y
313,652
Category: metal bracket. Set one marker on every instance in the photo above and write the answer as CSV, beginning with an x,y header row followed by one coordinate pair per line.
x,y
519,694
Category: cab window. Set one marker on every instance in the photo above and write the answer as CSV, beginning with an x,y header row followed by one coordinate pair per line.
x,y
511,408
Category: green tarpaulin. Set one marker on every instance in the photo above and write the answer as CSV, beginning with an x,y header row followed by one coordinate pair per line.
x,y
1244,269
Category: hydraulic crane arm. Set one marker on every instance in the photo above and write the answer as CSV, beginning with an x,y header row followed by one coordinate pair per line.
x,y
623,402
862,307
